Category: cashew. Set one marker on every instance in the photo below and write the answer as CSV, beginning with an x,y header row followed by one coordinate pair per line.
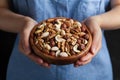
x,y
58,26
57,53
42,25
45,34
85,41
75,48
39,30
74,40
55,48
78,23
47,46
59,38
63,54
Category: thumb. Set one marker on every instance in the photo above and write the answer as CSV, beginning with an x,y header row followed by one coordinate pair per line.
x,y
24,36
97,41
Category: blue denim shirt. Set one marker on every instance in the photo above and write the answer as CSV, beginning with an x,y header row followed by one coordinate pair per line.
x,y
22,68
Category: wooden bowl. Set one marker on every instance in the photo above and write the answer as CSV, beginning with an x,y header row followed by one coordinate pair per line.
x,y
71,40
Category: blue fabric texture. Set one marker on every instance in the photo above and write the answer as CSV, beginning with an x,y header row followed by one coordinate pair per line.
x,y
22,68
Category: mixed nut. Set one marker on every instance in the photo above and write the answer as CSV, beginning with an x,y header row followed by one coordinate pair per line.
x,y
61,37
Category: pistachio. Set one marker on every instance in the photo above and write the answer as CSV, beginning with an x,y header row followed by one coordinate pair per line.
x,y
58,38
55,48
63,54
45,34
75,48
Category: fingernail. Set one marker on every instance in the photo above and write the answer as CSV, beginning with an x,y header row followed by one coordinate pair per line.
x,y
40,61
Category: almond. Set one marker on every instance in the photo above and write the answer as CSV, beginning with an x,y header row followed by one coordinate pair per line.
x,y
55,48
45,34
63,54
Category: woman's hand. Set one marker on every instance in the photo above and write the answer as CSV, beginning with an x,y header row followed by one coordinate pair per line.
x,y
24,42
95,29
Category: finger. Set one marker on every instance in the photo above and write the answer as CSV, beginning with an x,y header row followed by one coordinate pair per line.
x,y
85,62
35,58
30,55
80,63
46,65
87,57
38,60
96,44
24,36
22,49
